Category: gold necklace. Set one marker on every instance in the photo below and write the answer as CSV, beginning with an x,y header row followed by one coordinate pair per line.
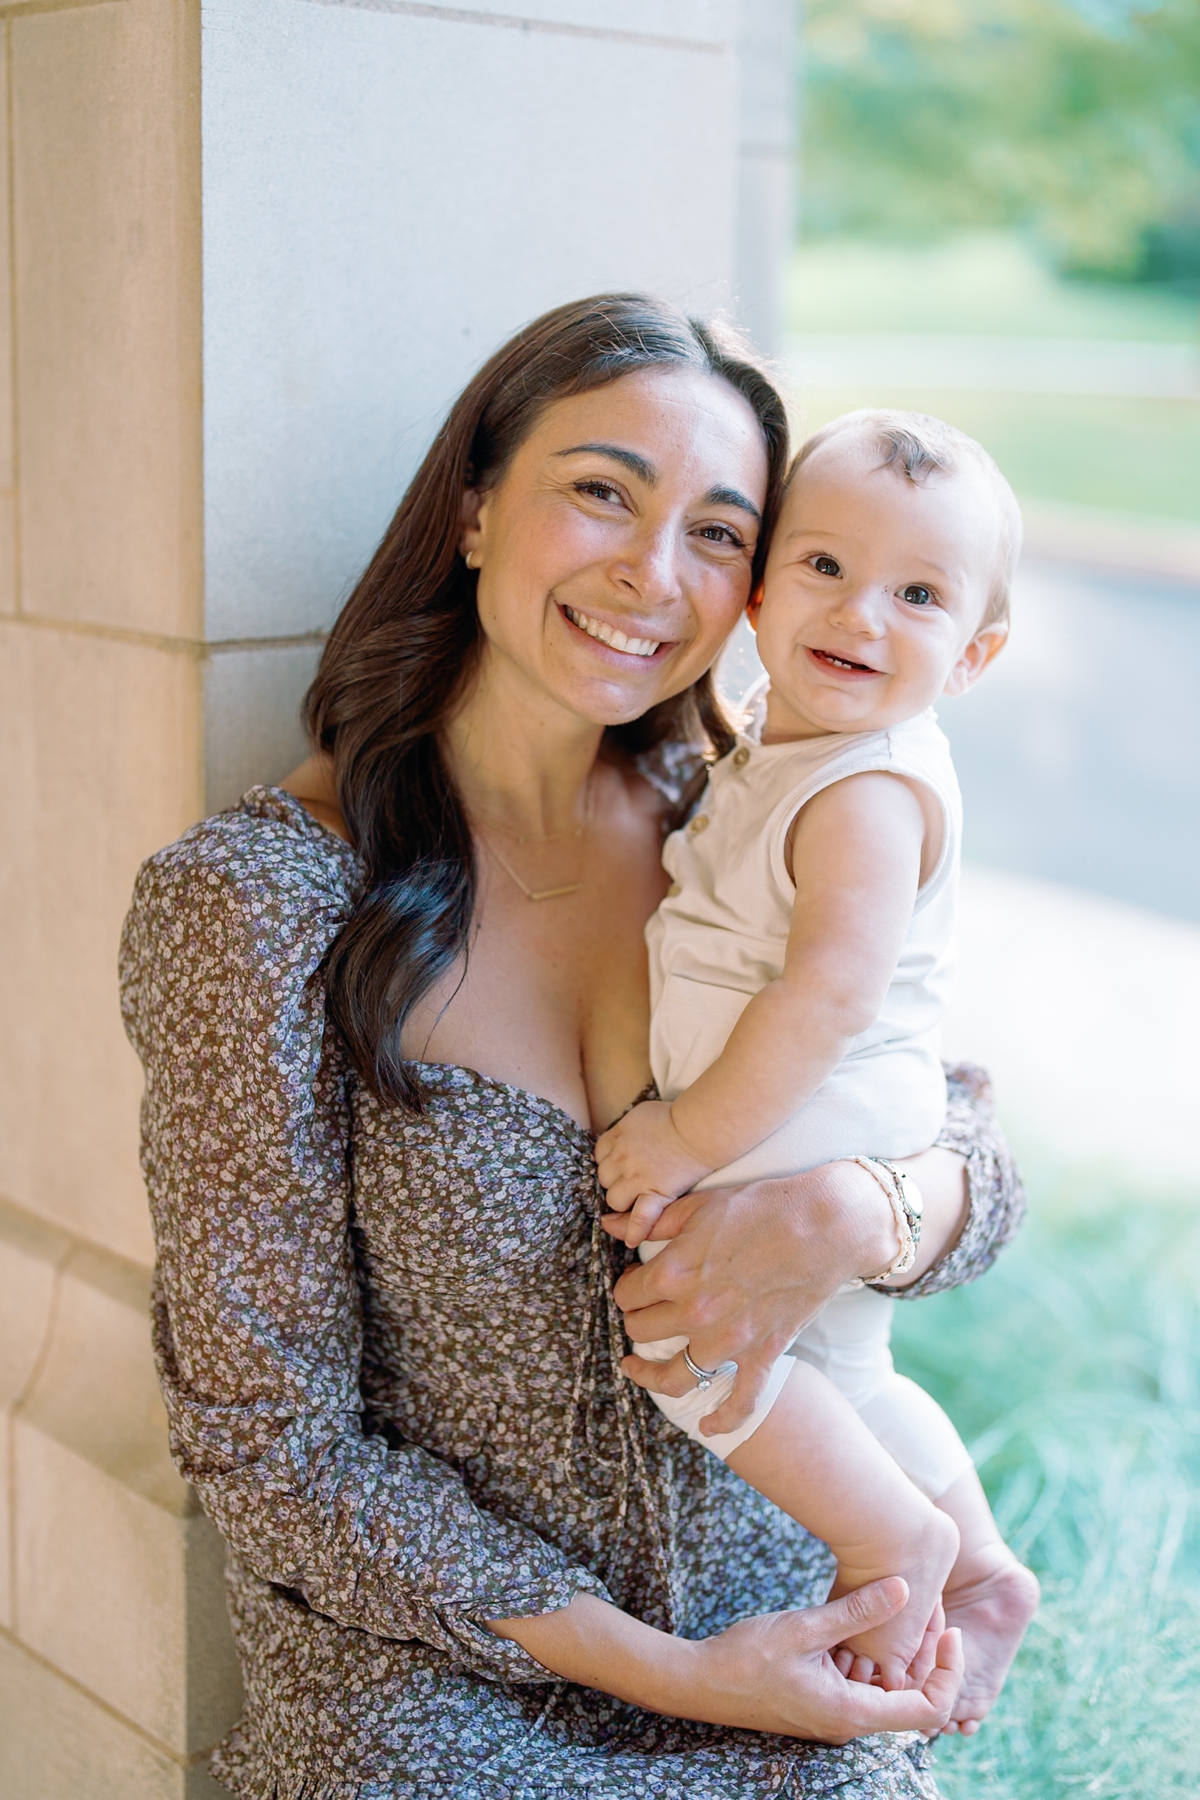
x,y
551,893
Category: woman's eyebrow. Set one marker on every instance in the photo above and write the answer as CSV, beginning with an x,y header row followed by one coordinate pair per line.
x,y
637,465
725,496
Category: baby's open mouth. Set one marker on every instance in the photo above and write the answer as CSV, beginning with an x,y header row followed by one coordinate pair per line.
x,y
841,662
608,634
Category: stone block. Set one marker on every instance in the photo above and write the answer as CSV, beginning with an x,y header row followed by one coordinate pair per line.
x,y
30,1254
8,580
251,717
322,392
118,1574
57,1743
107,232
100,764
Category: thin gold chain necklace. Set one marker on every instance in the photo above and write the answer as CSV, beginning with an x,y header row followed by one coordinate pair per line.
x,y
551,893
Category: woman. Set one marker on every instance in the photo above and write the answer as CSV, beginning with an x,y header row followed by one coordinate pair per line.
x,y
383,1010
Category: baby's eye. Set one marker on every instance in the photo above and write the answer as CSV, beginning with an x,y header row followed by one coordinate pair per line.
x,y
916,595
826,565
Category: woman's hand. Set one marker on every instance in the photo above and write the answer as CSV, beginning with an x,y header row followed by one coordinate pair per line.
x,y
773,1673
748,1267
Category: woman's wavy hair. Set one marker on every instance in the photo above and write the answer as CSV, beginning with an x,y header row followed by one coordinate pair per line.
x,y
407,644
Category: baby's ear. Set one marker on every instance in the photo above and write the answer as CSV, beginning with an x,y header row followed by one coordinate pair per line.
x,y
985,645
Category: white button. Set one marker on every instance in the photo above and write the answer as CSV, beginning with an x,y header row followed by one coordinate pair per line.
x,y
698,824
741,757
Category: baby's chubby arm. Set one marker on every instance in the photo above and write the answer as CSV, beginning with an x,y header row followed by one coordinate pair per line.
x,y
855,856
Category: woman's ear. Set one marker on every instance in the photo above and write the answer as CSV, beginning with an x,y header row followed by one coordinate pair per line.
x,y
754,607
472,516
985,645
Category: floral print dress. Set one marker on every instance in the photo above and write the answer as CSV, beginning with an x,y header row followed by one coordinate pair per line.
x,y
390,1360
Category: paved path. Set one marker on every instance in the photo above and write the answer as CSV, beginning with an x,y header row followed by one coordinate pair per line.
x,y
1079,751
1086,1012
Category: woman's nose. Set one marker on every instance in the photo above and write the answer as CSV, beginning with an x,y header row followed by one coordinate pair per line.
x,y
651,565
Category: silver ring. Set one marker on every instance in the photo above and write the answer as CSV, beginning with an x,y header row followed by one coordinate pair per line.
x,y
704,1377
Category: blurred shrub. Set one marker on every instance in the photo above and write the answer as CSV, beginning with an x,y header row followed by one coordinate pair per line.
x,y
1075,120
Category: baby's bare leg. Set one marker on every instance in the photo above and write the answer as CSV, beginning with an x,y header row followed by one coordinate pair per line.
x,y
813,1456
989,1595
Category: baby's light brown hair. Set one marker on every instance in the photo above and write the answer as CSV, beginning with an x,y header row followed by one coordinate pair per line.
x,y
918,446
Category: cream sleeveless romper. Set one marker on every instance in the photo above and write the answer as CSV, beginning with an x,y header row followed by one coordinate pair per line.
x,y
718,937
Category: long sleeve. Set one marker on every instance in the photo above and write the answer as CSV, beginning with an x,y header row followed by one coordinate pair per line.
x,y
996,1197
257,1316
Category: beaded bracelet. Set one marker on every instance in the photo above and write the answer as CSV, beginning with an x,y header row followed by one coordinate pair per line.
x,y
905,1197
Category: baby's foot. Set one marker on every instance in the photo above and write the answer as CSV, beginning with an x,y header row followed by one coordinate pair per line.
x,y
991,1597
924,1555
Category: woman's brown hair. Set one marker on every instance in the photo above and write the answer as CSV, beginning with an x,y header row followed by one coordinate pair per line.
x,y
407,643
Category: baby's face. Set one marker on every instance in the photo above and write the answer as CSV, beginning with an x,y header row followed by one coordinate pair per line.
x,y
874,592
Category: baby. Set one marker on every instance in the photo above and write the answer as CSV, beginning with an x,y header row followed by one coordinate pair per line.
x,y
800,967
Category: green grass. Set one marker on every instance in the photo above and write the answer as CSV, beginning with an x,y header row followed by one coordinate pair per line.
x,y
1072,1369
972,284
1133,456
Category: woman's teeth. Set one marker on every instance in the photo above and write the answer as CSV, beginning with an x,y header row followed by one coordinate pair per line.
x,y
608,634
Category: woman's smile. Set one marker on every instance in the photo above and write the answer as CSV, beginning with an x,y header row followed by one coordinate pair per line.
x,y
612,637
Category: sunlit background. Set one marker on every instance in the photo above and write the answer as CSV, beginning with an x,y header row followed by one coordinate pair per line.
x,y
1000,224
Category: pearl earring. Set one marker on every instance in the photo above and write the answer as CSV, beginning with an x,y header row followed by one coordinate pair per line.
x,y
469,558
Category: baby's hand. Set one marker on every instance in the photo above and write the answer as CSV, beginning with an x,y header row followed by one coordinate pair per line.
x,y
641,1157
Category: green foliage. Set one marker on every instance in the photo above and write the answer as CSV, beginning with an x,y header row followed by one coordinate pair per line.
x,y
1074,1363
1076,120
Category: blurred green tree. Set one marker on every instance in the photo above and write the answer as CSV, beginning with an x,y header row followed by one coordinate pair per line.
x,y
1077,121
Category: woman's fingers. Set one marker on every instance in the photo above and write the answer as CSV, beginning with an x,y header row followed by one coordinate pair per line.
x,y
672,1378
826,1627
752,1376
926,1657
925,1709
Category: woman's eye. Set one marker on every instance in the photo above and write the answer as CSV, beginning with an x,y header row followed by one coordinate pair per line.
x,y
721,534
600,490
916,595
826,565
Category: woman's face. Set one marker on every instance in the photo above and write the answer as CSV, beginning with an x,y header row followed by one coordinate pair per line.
x,y
614,556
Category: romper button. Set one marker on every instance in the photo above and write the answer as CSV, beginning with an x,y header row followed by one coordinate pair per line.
x,y
698,824
741,757
674,889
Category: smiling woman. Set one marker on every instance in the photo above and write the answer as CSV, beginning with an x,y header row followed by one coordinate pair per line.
x,y
610,489
382,1012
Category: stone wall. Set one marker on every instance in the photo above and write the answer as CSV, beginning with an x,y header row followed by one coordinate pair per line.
x,y
249,248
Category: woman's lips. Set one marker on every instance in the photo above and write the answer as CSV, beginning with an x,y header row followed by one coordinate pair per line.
x,y
610,635
841,665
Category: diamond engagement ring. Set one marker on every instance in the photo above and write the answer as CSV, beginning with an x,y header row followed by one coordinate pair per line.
x,y
704,1377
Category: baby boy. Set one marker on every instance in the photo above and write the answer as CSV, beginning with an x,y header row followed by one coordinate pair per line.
x,y
799,969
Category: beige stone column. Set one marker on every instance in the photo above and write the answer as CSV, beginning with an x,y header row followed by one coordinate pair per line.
x,y
249,249
116,1672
